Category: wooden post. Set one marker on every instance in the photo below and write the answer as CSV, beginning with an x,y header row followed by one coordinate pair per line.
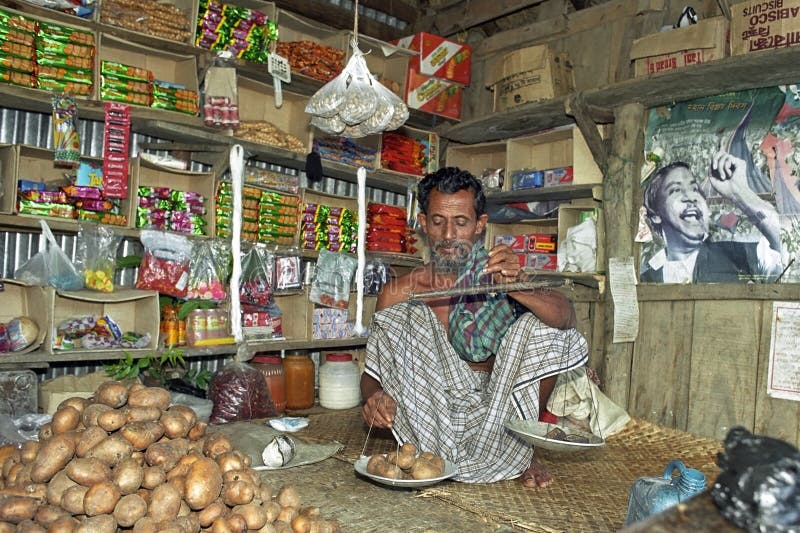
x,y
620,198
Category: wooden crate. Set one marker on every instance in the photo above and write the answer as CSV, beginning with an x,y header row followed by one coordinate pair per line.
x,y
476,158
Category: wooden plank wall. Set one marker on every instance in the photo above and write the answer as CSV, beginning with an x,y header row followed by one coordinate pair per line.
x,y
700,364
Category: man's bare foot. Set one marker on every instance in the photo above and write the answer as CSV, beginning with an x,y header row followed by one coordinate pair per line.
x,y
536,476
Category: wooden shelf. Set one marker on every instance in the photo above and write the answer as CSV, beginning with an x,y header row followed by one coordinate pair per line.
x,y
543,194
736,73
303,344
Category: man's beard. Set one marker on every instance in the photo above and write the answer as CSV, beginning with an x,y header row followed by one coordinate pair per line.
x,y
450,262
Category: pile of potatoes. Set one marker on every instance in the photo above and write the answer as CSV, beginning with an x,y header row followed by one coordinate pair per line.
x,y
126,461
406,464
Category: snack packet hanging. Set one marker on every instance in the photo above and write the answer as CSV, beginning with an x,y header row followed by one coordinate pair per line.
x,y
258,277
97,246
66,140
333,278
165,265
210,270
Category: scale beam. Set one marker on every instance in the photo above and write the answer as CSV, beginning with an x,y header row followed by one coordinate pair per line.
x,y
490,288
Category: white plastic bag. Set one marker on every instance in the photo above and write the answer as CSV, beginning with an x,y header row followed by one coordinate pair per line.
x,y
50,266
578,252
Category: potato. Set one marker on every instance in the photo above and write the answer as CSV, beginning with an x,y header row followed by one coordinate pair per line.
x,y
198,430
65,524
389,470
287,514
29,526
47,514
65,419
90,437
45,432
424,469
268,528
150,397
139,458
164,454
175,425
229,461
247,474
112,450
129,509
7,451
409,447
87,471
112,393
272,510
128,477
189,523
243,457
186,411
153,476
53,456
72,499
253,515
264,492
92,411
15,509
142,434
403,460
145,525
374,461
98,524
203,483
30,490
216,444
179,482
165,502
143,414
112,420
282,527
434,459
287,496
29,451
238,493
101,498
77,402
57,486
135,385
210,513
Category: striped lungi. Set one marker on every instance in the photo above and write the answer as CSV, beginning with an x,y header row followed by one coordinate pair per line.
x,y
447,408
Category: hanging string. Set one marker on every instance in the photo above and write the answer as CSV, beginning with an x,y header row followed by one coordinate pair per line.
x,y
355,23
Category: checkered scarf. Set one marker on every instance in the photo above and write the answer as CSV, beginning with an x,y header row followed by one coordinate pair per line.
x,y
477,323
459,414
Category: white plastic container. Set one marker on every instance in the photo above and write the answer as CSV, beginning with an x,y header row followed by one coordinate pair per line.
x,y
339,382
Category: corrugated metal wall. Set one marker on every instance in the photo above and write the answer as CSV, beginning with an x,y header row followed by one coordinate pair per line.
x,y
16,247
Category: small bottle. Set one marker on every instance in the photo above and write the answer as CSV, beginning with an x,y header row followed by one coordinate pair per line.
x,y
651,495
299,370
170,326
339,382
272,368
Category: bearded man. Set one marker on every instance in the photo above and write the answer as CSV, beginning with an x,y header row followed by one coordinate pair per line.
x,y
447,373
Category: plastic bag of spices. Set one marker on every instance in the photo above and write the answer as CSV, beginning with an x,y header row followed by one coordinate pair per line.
x,y
165,265
239,392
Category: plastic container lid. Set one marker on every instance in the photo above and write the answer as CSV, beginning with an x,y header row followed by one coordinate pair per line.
x,y
267,359
339,357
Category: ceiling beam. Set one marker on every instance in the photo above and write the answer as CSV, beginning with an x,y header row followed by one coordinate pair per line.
x,y
340,18
475,12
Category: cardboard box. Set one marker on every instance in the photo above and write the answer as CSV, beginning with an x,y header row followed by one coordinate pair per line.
x,y
760,25
476,158
293,27
257,103
54,391
131,309
667,50
32,301
433,95
439,57
529,75
558,148
296,313
429,139
518,243
22,162
517,233
113,14
572,214
180,69
542,242
542,261
145,173
387,62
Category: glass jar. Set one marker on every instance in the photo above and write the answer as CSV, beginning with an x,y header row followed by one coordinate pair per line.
x,y
339,382
299,370
272,368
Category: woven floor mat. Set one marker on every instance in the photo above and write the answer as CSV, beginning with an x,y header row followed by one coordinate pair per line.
x,y
591,487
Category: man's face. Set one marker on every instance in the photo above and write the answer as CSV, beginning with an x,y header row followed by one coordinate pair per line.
x,y
452,227
682,210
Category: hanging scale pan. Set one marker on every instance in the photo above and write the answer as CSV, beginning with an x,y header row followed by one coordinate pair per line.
x,y
279,67
553,437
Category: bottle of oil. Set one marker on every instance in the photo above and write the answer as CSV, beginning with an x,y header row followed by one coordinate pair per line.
x,y
651,495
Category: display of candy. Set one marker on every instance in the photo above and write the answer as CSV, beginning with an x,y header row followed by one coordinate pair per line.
x,y
244,32
287,272
66,140
102,218
165,265
10,48
345,151
17,78
116,149
56,32
404,154
165,208
16,36
121,70
151,17
312,59
112,82
46,209
64,61
96,333
272,180
17,64
209,271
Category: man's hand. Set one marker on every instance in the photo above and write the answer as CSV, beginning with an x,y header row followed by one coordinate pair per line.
x,y
379,410
503,264
729,174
